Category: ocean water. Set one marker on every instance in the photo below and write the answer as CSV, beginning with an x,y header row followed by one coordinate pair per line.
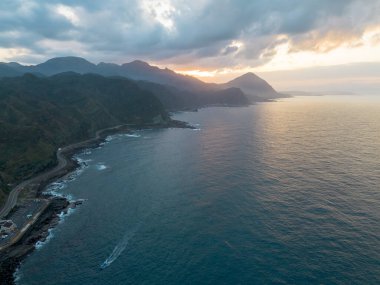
x,y
276,193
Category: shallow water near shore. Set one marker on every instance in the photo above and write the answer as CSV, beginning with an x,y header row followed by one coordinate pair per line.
x,y
280,192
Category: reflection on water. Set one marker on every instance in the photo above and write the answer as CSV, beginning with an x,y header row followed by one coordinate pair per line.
x,y
284,192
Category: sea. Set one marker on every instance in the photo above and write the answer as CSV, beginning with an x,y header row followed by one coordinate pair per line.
x,y
284,192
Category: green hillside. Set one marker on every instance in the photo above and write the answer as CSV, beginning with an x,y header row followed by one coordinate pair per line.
x,y
38,115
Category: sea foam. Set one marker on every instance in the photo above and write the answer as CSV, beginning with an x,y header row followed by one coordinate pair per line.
x,y
62,216
132,135
101,166
39,244
55,188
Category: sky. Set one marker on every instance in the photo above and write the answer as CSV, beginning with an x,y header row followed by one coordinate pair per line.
x,y
294,44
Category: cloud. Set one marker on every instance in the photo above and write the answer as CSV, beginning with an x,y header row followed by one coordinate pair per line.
x,y
203,33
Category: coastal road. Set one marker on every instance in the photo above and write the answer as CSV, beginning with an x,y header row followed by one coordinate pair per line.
x,y
23,222
62,163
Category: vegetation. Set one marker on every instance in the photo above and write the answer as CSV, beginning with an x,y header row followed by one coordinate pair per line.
x,y
176,91
38,115
175,99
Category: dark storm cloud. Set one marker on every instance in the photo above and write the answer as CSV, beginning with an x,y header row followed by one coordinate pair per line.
x,y
179,30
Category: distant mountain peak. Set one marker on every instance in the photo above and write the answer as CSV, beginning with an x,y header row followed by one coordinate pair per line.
x,y
67,63
253,86
71,59
14,64
138,63
247,76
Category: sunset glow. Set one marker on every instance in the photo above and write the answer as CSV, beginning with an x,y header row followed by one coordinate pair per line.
x,y
201,38
191,142
365,49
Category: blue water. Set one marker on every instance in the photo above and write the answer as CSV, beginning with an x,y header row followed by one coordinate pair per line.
x,y
277,193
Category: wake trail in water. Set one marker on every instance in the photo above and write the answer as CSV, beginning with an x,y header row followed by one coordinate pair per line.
x,y
120,247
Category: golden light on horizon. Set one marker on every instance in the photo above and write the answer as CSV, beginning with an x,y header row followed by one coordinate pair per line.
x,y
198,73
328,53
366,49
9,53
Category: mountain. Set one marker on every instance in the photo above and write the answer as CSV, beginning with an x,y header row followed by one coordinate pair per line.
x,y
229,97
140,70
176,91
256,88
8,71
64,64
136,70
176,99
185,91
172,98
38,115
54,66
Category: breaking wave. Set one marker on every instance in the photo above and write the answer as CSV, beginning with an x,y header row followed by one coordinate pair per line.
x,y
132,135
39,244
101,166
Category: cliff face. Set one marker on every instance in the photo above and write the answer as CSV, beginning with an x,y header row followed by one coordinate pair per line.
x,y
38,115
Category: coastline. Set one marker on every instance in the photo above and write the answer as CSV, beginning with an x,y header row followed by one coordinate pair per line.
x,y
12,256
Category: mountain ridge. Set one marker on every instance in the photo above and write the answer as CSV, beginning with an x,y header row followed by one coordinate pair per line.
x,y
253,86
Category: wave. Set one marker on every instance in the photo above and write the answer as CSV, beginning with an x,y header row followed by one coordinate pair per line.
x,y
118,136
132,135
107,140
55,188
120,247
86,151
110,138
62,216
83,164
17,275
39,244
101,166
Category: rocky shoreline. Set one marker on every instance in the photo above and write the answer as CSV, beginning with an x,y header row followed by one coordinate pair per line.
x,y
11,257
